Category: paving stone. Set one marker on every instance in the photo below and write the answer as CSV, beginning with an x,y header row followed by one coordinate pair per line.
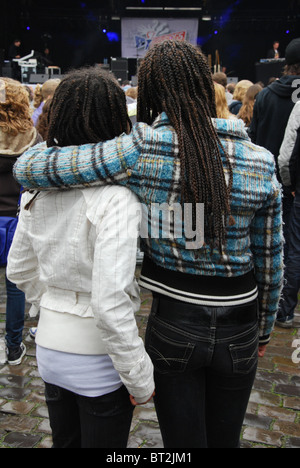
x,y
17,407
145,414
146,436
282,414
44,427
41,412
291,390
13,381
14,393
259,421
19,423
46,443
262,436
265,398
20,440
287,428
293,442
293,403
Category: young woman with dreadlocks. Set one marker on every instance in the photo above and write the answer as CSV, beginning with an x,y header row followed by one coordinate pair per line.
x,y
75,261
214,303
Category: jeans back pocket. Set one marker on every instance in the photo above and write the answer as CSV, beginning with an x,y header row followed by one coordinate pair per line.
x,y
245,355
167,354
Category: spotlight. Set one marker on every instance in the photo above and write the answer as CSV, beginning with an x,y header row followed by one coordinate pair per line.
x,y
206,16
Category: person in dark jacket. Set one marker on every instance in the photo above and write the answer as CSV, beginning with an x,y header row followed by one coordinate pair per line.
x,y
274,52
271,113
15,52
17,134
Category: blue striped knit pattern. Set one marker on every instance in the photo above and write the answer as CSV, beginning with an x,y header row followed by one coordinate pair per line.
x,y
147,162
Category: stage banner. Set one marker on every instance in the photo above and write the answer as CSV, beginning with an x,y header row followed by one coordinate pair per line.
x,y
139,34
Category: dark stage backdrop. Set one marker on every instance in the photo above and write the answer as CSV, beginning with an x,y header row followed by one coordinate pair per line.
x,y
74,42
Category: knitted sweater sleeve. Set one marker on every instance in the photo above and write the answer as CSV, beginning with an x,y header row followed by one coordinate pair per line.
x,y
267,248
109,162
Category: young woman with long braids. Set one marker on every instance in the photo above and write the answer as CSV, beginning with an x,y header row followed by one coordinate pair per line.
x,y
214,305
89,354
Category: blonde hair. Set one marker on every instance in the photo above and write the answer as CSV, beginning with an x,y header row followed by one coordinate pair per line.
x,y
42,93
221,102
246,111
15,116
37,96
241,89
132,92
49,87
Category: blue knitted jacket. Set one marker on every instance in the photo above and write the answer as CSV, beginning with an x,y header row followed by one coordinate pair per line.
x,y
147,162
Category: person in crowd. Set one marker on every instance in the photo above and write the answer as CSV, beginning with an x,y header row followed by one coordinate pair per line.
x,y
43,120
221,78
14,53
221,103
215,298
17,134
46,57
238,95
271,113
230,88
44,93
289,167
274,52
272,79
74,257
15,49
246,111
125,85
131,99
30,94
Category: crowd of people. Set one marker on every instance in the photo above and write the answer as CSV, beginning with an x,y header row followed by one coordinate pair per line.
x,y
91,158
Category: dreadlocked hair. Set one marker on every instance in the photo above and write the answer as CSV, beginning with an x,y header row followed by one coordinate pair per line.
x,y
88,106
175,78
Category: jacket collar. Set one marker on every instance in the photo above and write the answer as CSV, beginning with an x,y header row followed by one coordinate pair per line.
x,y
231,127
225,127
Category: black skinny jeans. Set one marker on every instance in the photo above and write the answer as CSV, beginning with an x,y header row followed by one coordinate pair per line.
x,y
205,361
84,422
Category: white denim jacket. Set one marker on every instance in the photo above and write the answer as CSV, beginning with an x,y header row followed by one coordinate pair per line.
x,y
74,256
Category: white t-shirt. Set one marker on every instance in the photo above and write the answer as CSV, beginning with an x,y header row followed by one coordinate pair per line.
x,y
87,375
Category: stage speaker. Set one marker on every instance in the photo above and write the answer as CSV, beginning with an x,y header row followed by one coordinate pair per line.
x,y
119,67
7,71
37,78
119,64
120,75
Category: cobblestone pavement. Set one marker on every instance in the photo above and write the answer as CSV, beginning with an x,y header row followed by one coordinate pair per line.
x,y
272,419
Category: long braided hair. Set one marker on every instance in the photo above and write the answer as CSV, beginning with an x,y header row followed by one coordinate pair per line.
x,y
88,106
175,78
